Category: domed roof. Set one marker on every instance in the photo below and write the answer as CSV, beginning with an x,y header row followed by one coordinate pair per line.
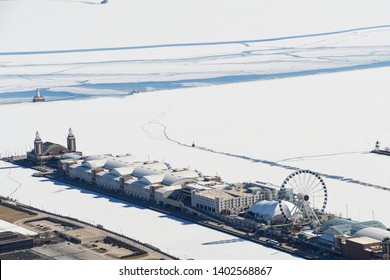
x,y
337,222
376,233
50,148
272,209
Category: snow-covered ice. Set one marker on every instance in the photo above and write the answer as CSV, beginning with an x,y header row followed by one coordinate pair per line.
x,y
116,50
271,122
264,114
118,72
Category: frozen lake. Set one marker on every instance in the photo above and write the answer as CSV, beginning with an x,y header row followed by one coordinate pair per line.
x,y
112,54
258,88
277,123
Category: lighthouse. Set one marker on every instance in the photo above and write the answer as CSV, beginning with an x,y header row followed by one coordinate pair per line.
x,y
38,97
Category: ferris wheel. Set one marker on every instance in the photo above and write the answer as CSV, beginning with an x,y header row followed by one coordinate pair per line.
x,y
309,195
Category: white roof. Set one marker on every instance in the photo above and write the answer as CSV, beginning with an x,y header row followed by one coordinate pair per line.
x,y
168,189
375,233
120,171
271,208
215,193
153,179
95,157
95,163
121,161
156,165
115,163
71,155
141,171
196,186
182,176
6,226
82,168
367,224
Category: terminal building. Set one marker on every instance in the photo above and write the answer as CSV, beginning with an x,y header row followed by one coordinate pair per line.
x,y
127,174
345,227
157,181
49,153
224,201
356,240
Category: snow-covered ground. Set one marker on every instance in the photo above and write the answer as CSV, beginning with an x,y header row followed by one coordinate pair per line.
x,y
264,115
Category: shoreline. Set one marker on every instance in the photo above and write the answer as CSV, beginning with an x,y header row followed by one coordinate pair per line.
x,y
26,208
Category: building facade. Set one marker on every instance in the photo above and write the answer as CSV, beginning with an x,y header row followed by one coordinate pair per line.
x,y
128,175
224,201
49,153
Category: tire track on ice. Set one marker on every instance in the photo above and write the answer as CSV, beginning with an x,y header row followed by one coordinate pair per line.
x,y
17,182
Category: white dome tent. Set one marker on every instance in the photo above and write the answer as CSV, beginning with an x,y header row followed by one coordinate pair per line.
x,y
269,211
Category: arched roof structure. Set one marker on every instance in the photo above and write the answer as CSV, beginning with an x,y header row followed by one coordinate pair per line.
x,y
337,230
336,222
121,171
270,210
367,224
92,164
153,179
141,171
376,233
50,148
180,177
115,163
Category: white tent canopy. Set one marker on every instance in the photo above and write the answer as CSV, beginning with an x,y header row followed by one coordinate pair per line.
x,y
269,211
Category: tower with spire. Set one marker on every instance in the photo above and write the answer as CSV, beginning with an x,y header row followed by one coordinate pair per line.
x,y
49,153
377,146
38,145
71,141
